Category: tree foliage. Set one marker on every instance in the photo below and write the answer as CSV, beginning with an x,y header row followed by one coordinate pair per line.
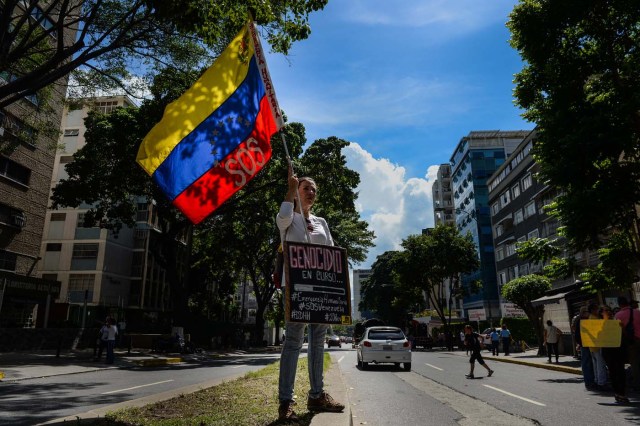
x,y
383,294
107,43
522,291
433,263
581,86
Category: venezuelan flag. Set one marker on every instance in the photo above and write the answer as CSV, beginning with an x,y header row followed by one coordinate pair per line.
x,y
216,137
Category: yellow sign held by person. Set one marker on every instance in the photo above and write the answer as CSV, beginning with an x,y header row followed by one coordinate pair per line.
x,y
600,333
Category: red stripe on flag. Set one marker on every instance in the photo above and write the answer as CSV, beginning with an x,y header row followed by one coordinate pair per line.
x,y
219,183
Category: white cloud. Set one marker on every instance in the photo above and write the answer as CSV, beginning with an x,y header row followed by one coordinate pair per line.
x,y
452,16
394,206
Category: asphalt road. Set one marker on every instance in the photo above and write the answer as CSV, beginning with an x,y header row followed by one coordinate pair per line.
x,y
34,401
435,392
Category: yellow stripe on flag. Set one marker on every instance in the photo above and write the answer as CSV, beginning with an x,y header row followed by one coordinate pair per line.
x,y
184,114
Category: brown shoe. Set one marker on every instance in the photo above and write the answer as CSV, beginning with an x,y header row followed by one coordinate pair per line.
x,y
285,411
324,403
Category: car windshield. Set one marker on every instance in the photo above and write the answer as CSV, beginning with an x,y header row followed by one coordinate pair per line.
x,y
386,335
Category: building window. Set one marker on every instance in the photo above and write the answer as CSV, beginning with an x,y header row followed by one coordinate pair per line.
x,y
511,249
533,234
72,132
14,171
54,247
106,107
8,260
530,209
524,269
85,251
17,128
499,253
526,182
499,230
518,216
79,285
515,190
65,159
495,208
143,212
58,217
502,277
504,198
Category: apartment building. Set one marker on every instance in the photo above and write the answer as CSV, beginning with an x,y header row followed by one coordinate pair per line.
x,y
359,275
102,273
517,201
476,157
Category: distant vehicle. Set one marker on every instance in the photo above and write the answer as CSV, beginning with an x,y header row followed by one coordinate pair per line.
x,y
382,344
334,341
486,337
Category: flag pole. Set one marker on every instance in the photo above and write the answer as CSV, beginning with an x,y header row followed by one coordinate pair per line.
x,y
273,101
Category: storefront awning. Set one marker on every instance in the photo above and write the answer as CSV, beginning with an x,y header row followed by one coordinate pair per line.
x,y
546,300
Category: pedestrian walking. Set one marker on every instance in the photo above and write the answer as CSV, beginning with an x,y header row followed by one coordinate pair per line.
x,y
551,338
472,342
505,336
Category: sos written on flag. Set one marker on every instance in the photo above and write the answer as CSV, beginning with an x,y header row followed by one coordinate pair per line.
x,y
215,137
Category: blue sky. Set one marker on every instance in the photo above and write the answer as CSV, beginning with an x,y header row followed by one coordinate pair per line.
x,y
403,82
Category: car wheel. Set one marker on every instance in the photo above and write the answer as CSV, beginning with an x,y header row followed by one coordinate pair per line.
x,y
365,365
407,366
359,363
397,364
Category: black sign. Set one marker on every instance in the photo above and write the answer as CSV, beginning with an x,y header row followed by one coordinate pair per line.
x,y
317,284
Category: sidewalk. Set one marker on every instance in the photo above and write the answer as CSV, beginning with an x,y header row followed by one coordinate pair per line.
x,y
18,366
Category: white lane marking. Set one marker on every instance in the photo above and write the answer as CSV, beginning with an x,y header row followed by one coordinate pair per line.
x,y
516,396
433,366
136,387
341,358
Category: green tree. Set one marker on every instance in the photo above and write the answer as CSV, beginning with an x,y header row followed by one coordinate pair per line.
x,y
106,42
522,291
433,263
383,295
581,86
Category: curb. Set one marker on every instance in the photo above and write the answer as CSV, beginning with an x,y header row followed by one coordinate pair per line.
x,y
155,362
334,384
554,367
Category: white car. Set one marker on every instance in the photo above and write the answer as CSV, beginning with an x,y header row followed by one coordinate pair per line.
x,y
383,344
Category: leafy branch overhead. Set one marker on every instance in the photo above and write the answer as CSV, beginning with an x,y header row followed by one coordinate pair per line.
x,y
107,44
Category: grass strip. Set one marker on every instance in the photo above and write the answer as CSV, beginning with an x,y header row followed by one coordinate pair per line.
x,y
251,400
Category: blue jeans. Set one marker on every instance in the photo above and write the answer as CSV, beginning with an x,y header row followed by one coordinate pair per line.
x,y
599,367
587,366
291,353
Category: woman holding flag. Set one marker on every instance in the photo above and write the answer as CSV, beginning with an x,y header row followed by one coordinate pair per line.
x,y
303,227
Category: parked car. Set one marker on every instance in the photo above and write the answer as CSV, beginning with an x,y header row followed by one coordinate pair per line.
x,y
384,344
334,341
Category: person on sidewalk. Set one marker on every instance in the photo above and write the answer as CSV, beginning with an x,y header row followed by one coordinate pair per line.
x,y
551,337
112,333
495,342
599,366
472,342
630,320
586,364
103,335
615,360
505,336
294,226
